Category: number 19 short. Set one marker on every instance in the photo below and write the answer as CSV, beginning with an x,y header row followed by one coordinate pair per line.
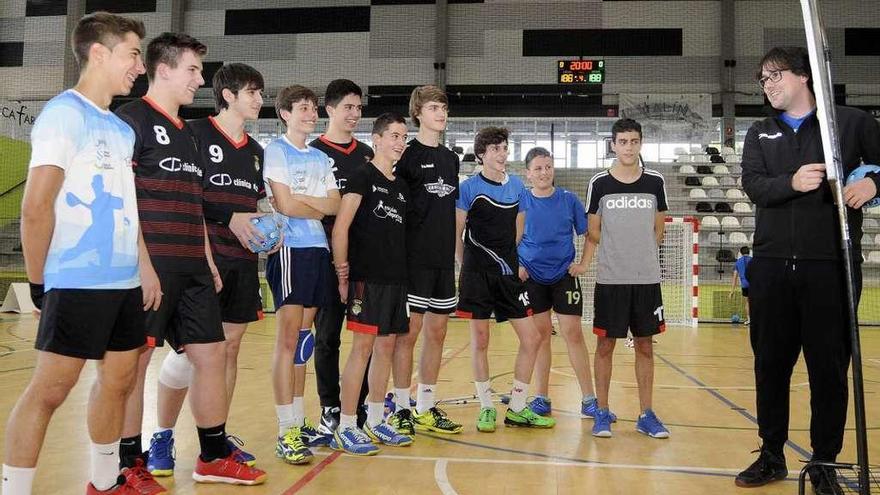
x,y
564,296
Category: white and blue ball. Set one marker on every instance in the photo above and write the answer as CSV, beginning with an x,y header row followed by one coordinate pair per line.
x,y
271,233
858,174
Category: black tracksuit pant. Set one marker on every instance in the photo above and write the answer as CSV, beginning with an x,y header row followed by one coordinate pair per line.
x,y
328,333
800,304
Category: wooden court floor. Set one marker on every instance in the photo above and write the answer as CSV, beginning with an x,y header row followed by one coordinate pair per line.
x,y
704,391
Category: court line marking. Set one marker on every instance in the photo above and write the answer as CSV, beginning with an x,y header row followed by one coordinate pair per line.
x,y
442,480
739,410
582,463
315,471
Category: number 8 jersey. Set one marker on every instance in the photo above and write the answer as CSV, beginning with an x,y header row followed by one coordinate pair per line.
x,y
168,178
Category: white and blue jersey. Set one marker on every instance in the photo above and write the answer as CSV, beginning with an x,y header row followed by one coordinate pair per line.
x,y
490,232
95,239
547,246
305,171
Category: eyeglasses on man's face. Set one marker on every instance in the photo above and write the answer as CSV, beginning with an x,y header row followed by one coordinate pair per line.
x,y
773,76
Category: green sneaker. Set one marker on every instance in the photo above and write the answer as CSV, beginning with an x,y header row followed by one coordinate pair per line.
x,y
528,418
402,421
435,419
486,420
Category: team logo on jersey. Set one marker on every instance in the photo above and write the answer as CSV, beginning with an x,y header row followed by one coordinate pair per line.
x,y
401,198
629,202
356,307
764,135
380,189
439,188
103,158
221,180
174,164
384,211
427,165
256,163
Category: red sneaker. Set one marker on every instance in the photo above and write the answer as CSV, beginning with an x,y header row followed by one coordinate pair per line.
x,y
141,481
227,470
121,488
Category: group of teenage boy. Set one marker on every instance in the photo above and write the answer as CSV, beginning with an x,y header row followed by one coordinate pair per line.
x,y
137,230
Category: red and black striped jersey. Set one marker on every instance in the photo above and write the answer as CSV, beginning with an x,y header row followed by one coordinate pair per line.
x,y
168,178
233,183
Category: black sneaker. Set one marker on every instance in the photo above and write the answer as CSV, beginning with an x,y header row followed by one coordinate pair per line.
x,y
329,421
824,480
769,467
361,416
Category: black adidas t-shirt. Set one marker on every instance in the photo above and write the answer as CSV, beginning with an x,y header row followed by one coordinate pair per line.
x,y
377,236
344,160
233,183
168,178
431,173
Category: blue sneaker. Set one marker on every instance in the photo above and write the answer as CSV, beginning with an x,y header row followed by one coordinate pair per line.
x,y
602,424
590,406
385,433
160,458
650,425
352,441
391,404
540,405
235,448
311,436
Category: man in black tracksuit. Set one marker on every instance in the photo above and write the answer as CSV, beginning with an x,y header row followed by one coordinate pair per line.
x,y
797,281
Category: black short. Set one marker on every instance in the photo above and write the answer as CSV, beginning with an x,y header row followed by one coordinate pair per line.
x,y
745,291
377,309
301,276
431,289
482,294
564,296
85,323
189,312
240,300
634,307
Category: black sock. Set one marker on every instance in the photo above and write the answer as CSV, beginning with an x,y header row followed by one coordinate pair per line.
x,y
213,442
129,449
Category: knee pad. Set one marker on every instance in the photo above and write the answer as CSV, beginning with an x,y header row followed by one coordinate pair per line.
x,y
176,371
305,346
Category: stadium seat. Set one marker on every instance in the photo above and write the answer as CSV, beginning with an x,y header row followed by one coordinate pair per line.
x,y
727,181
738,238
870,223
686,169
748,222
680,151
704,169
742,208
874,257
867,240
723,208
710,222
874,212
739,181
735,194
876,239
716,194
720,170
730,222
703,207
692,181
710,181
714,237
698,194
727,151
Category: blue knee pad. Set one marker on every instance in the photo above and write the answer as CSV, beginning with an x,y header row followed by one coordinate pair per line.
x,y
305,346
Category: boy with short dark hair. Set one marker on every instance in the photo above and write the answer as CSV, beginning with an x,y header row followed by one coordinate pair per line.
x,y
625,205
490,217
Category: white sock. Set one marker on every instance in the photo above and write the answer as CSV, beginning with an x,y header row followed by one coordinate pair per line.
x,y
375,413
105,465
483,394
401,398
518,395
19,480
425,397
346,421
589,398
285,417
299,412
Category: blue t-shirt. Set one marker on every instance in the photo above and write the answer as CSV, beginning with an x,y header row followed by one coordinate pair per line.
x,y
740,267
306,171
95,239
490,231
794,122
547,246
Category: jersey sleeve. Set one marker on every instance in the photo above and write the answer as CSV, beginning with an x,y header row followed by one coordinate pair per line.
x,y
579,215
524,200
661,194
132,122
359,182
594,194
463,202
56,136
275,167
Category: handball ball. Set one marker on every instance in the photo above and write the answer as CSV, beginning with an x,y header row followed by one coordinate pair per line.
x,y
271,233
734,318
859,173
